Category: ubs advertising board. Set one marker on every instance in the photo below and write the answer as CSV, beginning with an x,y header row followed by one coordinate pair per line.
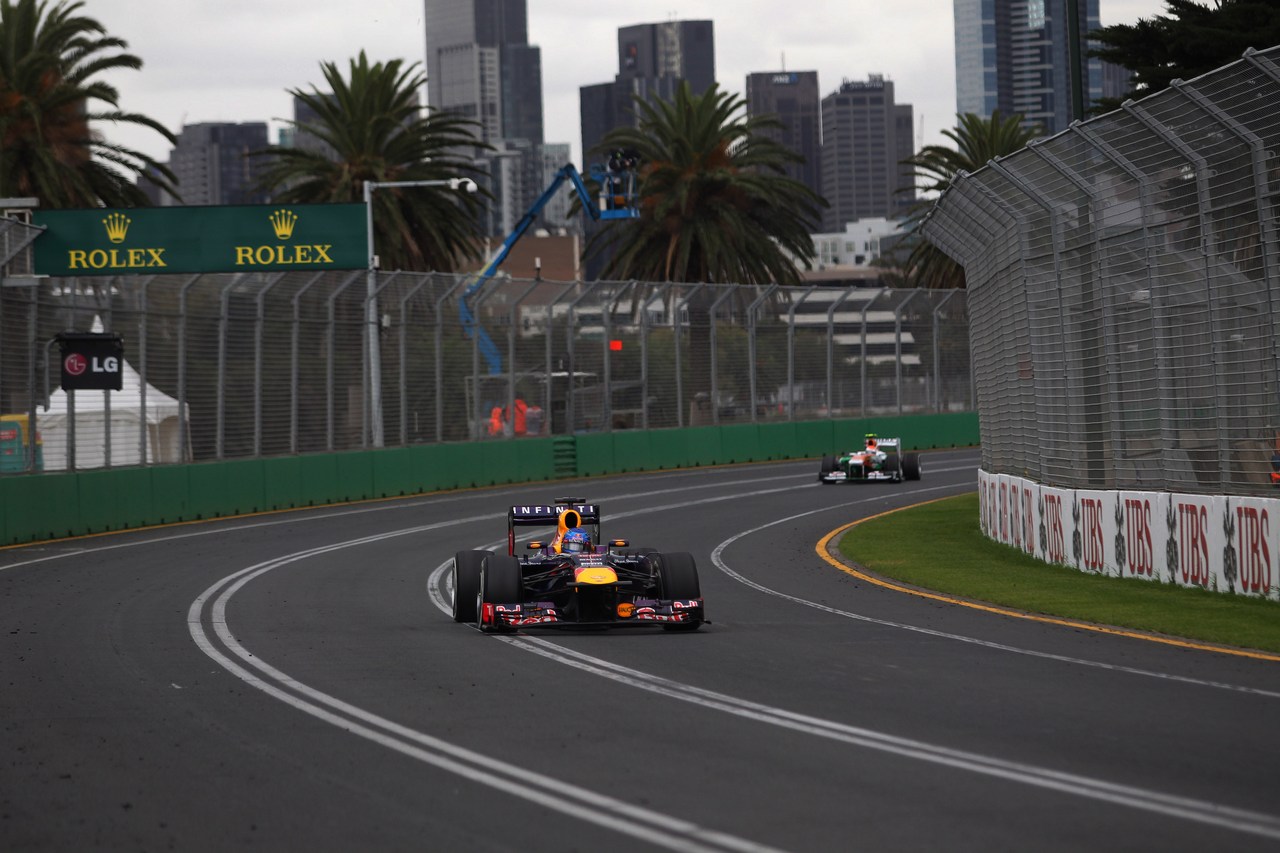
x,y
1221,543
233,238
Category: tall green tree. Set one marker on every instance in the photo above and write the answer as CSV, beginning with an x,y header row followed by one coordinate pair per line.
x,y
373,129
715,202
50,104
1193,38
976,141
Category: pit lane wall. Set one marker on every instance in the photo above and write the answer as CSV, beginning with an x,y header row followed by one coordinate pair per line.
x,y
1220,543
54,506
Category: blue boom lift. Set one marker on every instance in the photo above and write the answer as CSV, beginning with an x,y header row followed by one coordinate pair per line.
x,y
617,200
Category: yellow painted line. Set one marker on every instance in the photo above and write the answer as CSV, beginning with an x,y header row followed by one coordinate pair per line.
x,y
822,549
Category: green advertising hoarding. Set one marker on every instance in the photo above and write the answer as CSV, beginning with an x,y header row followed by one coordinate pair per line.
x,y
233,238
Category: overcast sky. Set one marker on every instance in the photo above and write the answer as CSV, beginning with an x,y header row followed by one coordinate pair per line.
x,y
234,60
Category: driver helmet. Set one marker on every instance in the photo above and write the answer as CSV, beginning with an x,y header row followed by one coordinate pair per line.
x,y
576,540
871,441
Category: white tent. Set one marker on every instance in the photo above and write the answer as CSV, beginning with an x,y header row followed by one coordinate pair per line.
x,y
123,410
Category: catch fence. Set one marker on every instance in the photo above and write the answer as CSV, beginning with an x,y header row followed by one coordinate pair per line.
x,y
1124,282
228,366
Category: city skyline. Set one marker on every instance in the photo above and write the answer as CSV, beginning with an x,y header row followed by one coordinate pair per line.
x,y
191,76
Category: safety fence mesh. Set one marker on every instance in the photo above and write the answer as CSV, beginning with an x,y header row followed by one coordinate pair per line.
x,y
228,366
1122,279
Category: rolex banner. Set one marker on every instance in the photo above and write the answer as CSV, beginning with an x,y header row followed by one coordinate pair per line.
x,y
244,238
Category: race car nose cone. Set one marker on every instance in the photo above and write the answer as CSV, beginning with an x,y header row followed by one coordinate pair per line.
x,y
596,575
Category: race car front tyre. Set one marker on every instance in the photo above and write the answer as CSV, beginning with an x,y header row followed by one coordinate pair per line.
x,y
911,466
679,575
500,583
466,582
828,466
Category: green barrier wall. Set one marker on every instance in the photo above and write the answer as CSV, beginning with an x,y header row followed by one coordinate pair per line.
x,y
53,506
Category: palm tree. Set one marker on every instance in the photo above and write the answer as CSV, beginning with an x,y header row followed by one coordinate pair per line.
x,y
715,206
373,129
49,57
977,142
715,203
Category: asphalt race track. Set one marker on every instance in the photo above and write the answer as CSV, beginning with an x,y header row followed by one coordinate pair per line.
x,y
294,682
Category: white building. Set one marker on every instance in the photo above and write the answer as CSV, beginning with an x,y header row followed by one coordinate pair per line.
x,y
858,245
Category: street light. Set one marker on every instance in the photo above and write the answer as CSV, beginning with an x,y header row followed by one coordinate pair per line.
x,y
371,289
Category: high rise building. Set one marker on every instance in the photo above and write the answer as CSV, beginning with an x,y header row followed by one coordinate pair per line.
x,y
480,65
653,59
792,97
212,164
1012,56
865,136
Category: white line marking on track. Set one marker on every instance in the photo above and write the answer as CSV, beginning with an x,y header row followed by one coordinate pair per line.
x,y
718,559
566,798
617,815
1199,811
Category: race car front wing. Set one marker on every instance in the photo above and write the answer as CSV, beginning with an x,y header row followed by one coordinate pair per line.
x,y
635,612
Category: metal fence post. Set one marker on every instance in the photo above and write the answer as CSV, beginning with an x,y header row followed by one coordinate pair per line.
x,y
224,320
791,351
185,452
570,412
439,344
1158,312
715,379
259,320
831,348
675,329
372,429
330,356
751,346
937,349
607,310
864,389
142,365
511,351
1093,461
295,335
1099,276
402,379
549,381
1204,203
644,351
897,343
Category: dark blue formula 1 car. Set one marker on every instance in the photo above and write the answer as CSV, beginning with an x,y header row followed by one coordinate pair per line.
x,y
571,579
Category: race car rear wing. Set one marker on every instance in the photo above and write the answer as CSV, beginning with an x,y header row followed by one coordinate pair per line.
x,y
528,515
563,513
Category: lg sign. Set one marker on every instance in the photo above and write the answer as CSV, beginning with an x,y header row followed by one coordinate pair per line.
x,y
76,364
91,360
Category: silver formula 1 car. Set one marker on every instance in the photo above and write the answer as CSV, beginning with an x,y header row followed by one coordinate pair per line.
x,y
570,578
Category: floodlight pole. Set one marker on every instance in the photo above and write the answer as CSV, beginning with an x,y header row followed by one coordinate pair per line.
x,y
374,373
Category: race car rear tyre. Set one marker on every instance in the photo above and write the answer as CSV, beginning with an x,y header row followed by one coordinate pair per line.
x,y
679,575
500,582
828,466
466,583
911,466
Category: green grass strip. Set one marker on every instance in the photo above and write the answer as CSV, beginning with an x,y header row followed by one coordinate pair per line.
x,y
939,546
